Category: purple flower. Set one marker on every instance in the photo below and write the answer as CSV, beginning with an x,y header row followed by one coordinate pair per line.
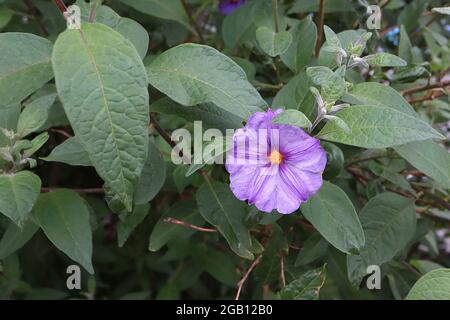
x,y
228,6
274,166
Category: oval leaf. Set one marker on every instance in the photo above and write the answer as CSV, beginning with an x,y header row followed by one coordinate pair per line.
x,y
64,217
332,213
192,74
108,110
377,127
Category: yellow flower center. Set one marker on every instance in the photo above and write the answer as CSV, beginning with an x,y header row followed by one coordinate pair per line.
x,y
275,157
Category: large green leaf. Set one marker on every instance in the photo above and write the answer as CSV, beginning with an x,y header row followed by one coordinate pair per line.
x,y
332,213
107,110
192,74
306,287
389,222
220,208
71,152
24,66
167,9
430,158
64,217
301,49
153,176
15,237
435,285
377,127
383,59
273,43
18,193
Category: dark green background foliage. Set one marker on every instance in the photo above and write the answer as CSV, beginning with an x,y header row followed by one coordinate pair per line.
x,y
86,176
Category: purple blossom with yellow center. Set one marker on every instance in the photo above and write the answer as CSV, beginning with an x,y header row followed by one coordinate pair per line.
x,y
228,6
274,166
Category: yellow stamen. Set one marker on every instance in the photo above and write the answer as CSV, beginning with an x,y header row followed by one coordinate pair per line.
x,y
275,157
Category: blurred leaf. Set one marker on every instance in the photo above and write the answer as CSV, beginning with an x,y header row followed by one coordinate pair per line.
x,y
238,27
383,59
64,217
409,17
405,50
167,9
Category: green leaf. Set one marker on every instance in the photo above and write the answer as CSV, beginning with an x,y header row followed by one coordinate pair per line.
x,y
18,193
296,95
108,111
293,118
377,127
15,238
332,213
411,13
377,94
208,113
331,37
192,74
167,9
332,85
237,27
64,217
24,66
35,114
153,176
130,222
220,208
430,158
389,222
273,43
383,59
129,28
163,231
306,287
314,248
211,150
71,152
5,17
36,144
405,50
221,267
435,285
